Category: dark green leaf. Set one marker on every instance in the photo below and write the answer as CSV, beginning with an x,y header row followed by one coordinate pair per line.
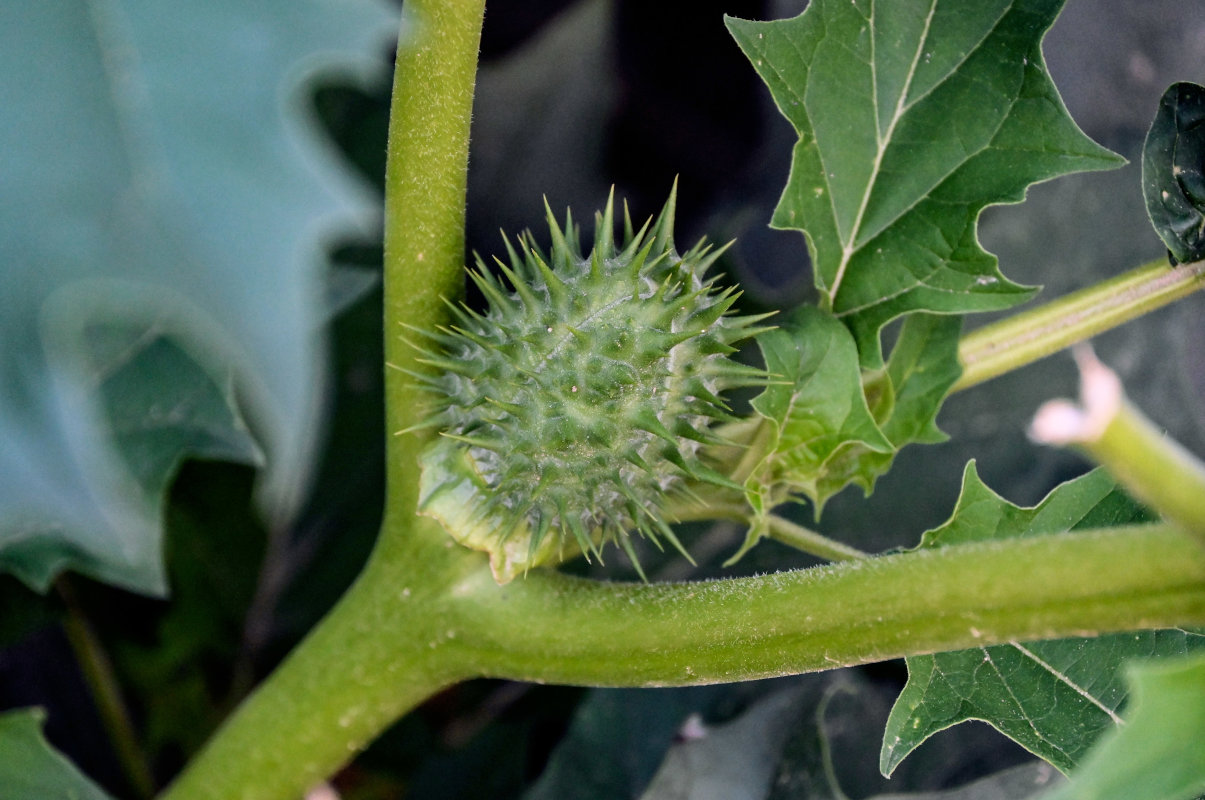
x,y
1054,697
30,768
1159,754
1173,171
162,208
912,115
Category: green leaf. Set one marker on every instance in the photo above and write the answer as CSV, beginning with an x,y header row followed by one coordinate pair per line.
x,y
823,432
164,198
1158,753
31,768
912,115
1055,698
815,407
1173,171
1089,501
905,397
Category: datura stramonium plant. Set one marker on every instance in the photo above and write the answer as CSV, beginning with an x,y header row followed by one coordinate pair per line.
x,y
578,407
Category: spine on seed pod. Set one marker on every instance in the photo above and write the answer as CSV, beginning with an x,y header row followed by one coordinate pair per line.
x,y
579,403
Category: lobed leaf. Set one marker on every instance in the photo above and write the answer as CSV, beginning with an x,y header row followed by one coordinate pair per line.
x,y
829,423
913,116
815,408
1055,698
163,202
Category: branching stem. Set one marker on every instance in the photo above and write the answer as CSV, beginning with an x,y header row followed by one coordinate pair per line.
x,y
426,613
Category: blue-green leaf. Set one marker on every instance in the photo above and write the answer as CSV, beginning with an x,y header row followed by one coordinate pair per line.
x,y
163,202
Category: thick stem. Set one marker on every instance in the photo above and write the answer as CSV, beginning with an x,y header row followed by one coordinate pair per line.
x,y
389,644
424,203
380,651
1018,340
373,658
552,628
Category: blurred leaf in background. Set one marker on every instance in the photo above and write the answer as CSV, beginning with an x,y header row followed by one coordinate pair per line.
x,y
165,196
30,767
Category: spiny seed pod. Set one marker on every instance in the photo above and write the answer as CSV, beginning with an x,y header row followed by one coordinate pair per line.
x,y
577,404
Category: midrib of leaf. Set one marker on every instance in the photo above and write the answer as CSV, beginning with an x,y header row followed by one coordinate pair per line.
x,y
1081,691
882,140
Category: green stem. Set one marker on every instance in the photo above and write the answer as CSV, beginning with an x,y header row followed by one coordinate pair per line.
x,y
1151,465
425,183
1018,340
377,655
809,541
778,528
557,629
379,652
1155,467
395,639
102,682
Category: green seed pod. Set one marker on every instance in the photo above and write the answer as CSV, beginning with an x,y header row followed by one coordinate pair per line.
x,y
577,405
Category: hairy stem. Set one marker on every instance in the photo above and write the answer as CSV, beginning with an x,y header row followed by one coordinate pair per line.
x,y
424,203
1011,343
377,654
397,638
778,528
553,628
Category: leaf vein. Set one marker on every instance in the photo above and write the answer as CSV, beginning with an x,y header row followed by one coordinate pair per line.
x,y
882,140
1081,691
